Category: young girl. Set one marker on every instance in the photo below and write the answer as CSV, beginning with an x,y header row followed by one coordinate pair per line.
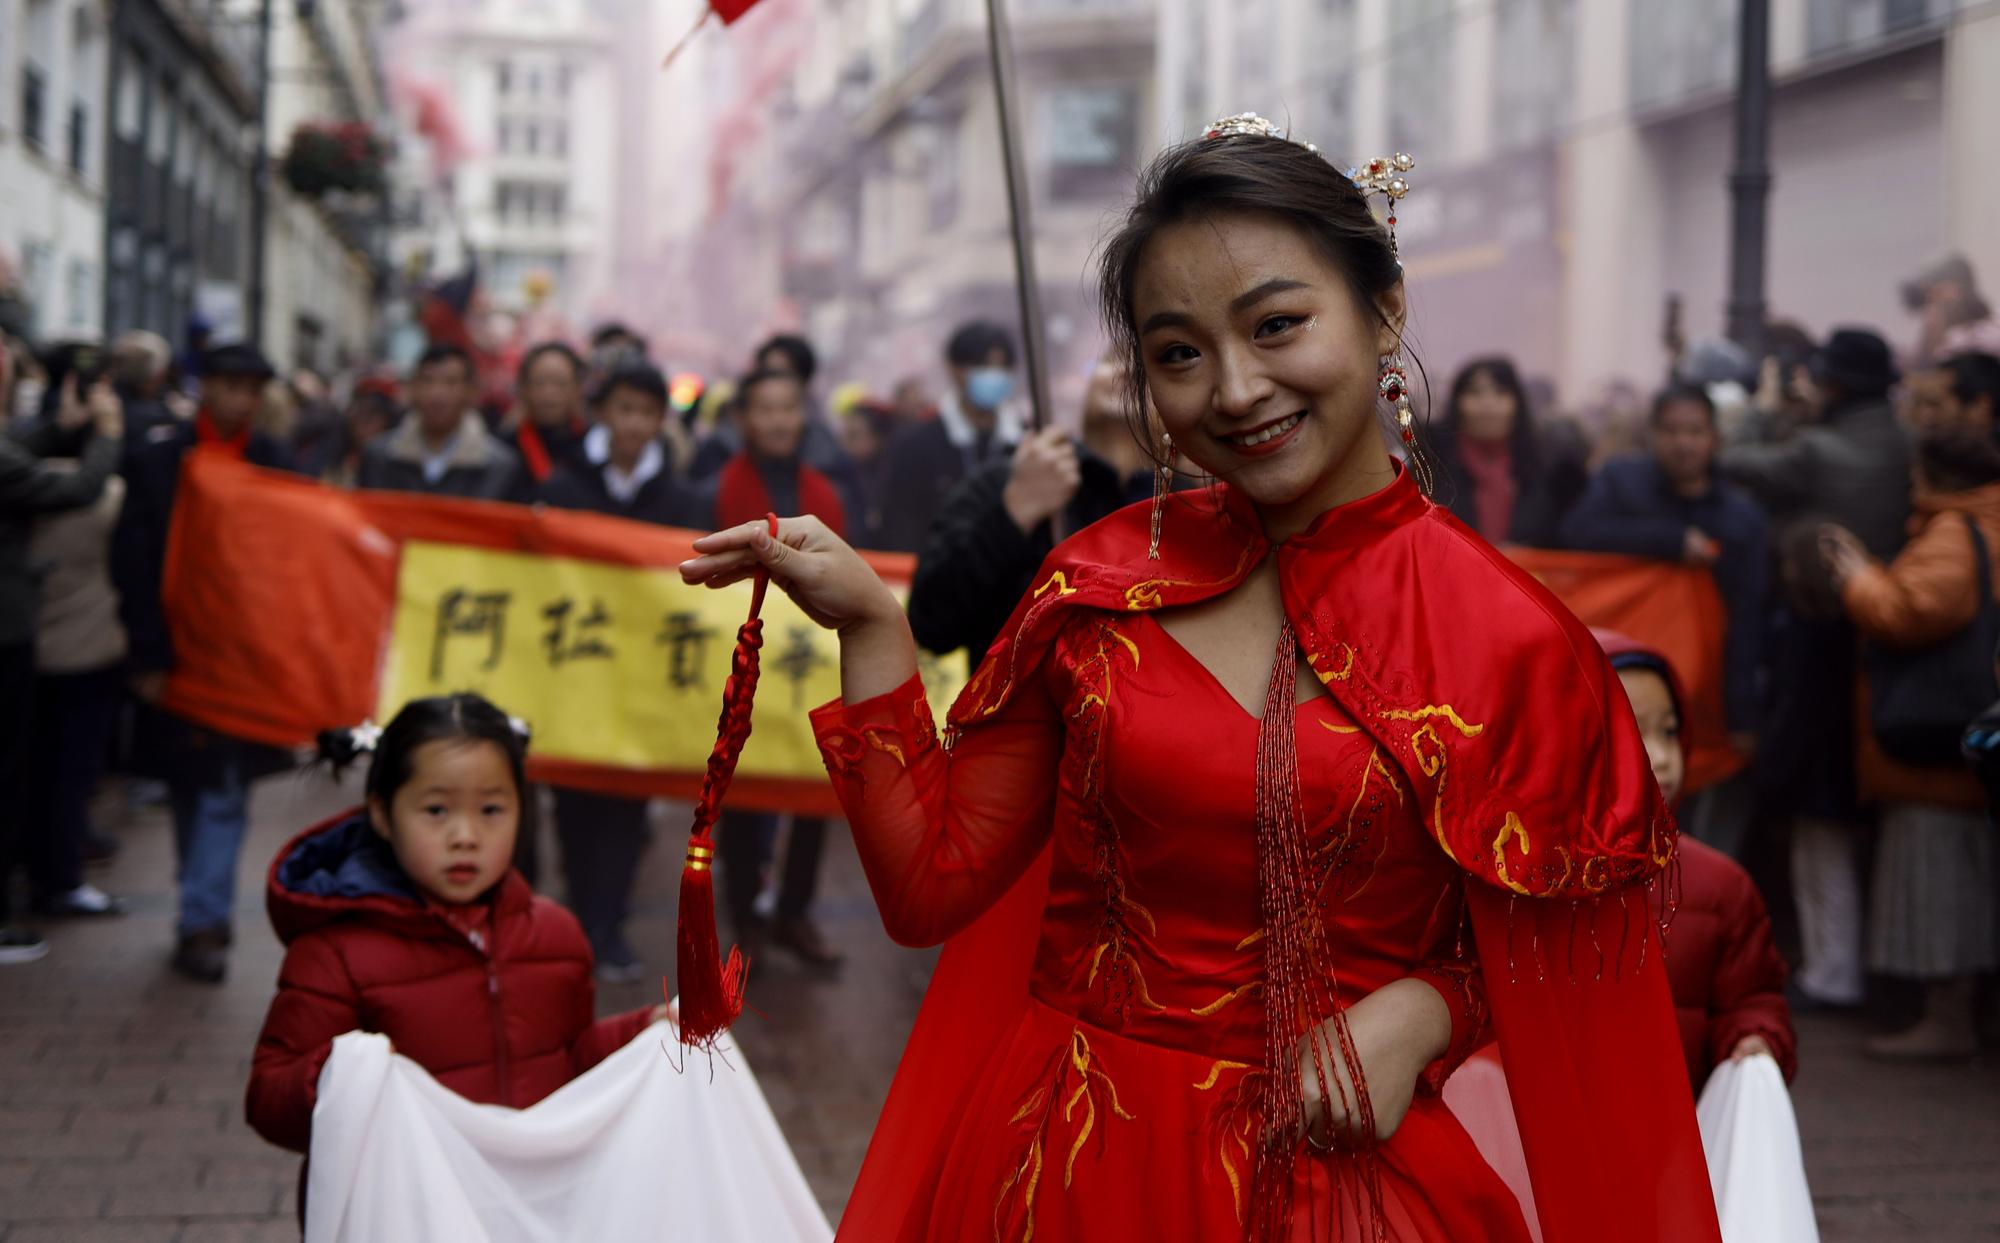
x,y
1727,979
406,918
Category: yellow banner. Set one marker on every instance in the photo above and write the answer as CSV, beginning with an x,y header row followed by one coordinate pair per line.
x,y
611,665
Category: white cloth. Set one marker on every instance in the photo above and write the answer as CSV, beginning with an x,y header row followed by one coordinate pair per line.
x,y
1748,1133
631,1150
1751,1137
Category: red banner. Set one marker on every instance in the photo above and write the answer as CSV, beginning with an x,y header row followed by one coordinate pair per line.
x,y
296,608
1673,609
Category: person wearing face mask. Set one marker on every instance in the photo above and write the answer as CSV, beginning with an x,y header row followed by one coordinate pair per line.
x,y
976,425
997,526
1271,801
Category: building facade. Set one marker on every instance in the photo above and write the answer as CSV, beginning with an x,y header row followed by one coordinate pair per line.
x,y
1574,155
533,200
53,56
182,103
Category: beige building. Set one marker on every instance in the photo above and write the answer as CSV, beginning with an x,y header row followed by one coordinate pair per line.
x,y
1574,154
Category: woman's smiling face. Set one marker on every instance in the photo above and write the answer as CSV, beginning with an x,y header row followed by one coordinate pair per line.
x,y
1263,365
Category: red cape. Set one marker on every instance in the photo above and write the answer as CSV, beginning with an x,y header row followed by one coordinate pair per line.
x,y
1506,719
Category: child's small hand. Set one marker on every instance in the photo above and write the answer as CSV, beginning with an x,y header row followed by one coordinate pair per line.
x,y
1750,1046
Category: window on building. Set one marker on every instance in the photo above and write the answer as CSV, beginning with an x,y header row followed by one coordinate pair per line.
x,y
1327,119
1091,135
1534,84
503,137
82,293
532,140
534,84
1679,50
1845,25
130,107
1422,39
503,78
942,172
564,76
559,138
37,64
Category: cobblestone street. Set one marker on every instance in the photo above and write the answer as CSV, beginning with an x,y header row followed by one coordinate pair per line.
x,y
121,1085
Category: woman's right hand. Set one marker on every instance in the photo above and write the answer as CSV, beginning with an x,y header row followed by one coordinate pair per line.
x,y
827,579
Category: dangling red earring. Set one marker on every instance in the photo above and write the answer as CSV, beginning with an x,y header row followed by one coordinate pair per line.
x,y
1163,483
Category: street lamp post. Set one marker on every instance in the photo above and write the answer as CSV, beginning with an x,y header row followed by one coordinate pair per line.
x,y
260,181
1750,178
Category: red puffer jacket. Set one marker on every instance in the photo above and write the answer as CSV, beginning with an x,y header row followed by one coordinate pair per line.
x,y
1727,979
504,1025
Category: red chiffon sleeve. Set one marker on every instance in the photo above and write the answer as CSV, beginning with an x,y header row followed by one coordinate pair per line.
x,y
942,834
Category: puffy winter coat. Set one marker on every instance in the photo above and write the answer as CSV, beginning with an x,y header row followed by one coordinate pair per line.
x,y
1727,979
504,1025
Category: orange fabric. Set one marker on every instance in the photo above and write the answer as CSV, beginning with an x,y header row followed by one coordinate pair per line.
x,y
1674,610
284,588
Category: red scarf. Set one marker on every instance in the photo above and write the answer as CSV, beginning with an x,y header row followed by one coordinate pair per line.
x,y
208,436
742,497
536,454
1490,463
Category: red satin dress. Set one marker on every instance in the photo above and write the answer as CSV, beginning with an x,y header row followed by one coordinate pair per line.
x,y
1118,1104
1474,809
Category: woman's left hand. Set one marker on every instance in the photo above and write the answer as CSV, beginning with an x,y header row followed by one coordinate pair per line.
x,y
1843,553
1398,1030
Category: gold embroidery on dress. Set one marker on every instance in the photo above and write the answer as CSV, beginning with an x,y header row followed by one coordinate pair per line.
x,y
1221,1003
1145,595
1125,981
1075,1078
878,737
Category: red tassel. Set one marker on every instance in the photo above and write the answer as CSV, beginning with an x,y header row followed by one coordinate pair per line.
x,y
711,987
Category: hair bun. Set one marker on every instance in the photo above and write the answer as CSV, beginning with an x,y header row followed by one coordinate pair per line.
x,y
342,747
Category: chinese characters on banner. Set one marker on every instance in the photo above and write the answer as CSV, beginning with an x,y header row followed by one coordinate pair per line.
x,y
611,665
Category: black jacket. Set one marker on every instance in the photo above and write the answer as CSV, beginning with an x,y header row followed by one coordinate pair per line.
x,y
1632,508
976,565
925,465
29,488
1537,501
480,467
660,500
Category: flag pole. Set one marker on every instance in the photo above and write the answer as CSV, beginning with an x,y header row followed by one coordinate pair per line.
x,y
1033,349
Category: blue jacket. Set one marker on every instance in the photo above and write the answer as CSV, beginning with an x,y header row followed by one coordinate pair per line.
x,y
1632,508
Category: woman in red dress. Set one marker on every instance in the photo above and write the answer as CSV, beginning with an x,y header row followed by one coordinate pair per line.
x,y
1264,810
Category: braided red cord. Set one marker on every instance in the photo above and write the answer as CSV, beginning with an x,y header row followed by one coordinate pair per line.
x,y
711,988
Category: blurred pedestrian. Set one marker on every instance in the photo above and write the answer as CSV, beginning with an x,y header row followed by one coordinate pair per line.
x,y
1490,458
139,366
865,431
768,477
79,686
602,837
30,487
207,774
1851,463
977,424
1932,914
1961,393
318,426
819,446
550,417
372,409
911,400
1953,317
998,525
442,446
1670,503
